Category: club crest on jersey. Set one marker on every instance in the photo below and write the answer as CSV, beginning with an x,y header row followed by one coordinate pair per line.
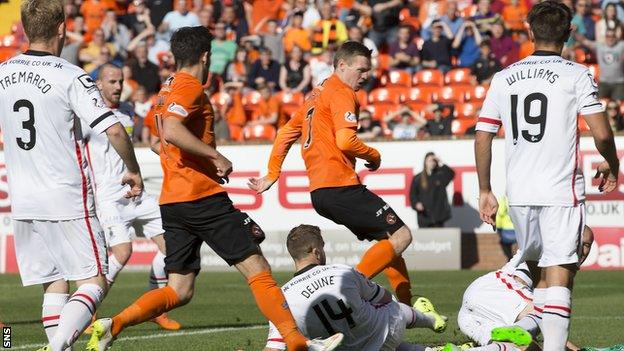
x,y
350,117
391,218
86,81
177,109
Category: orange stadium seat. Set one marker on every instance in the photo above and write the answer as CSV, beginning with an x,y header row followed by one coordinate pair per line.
x,y
384,62
428,77
362,97
451,94
466,110
594,69
296,98
459,76
259,132
381,109
476,94
397,78
459,126
394,95
251,99
220,99
420,107
236,132
421,94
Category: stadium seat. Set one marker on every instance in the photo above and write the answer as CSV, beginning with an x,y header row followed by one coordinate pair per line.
x,y
451,94
236,132
582,125
406,18
476,94
466,110
459,76
420,107
394,95
396,78
380,109
383,61
594,69
362,97
296,98
220,99
259,132
432,77
251,99
459,126
421,94
579,55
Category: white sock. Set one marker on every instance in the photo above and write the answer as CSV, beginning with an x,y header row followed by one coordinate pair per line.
x,y
496,346
114,267
158,276
539,299
51,312
410,347
556,318
76,315
531,323
414,318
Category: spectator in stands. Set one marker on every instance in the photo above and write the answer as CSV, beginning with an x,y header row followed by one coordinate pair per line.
x,y
104,57
222,50
385,17
205,17
404,123
138,20
485,67
130,86
428,195
436,52
296,35
295,74
367,128
616,120
505,50
90,54
514,15
115,32
451,18
73,42
237,69
609,21
264,71
154,45
273,40
322,68
611,62
144,71
356,34
236,26
158,9
142,105
93,12
404,53
485,17
221,127
440,125
328,32
269,108
178,18
259,10
618,7
429,11
311,14
526,45
583,16
466,43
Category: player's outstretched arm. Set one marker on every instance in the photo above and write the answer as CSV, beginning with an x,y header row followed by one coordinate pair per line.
x,y
120,141
488,205
286,137
603,138
348,142
176,133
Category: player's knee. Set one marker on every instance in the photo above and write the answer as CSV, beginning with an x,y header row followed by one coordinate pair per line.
x,y
401,239
185,294
122,252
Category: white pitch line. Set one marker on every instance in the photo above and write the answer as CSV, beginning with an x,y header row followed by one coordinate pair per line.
x,y
158,335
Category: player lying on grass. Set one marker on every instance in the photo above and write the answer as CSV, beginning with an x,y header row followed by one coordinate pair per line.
x,y
327,125
326,299
117,214
196,209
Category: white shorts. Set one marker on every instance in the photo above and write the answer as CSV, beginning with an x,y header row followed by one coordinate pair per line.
x,y
123,217
550,235
396,327
52,250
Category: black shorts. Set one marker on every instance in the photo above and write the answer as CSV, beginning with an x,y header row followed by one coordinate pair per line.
x,y
359,209
232,234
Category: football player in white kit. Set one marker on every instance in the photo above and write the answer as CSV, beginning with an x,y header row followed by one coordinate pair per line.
x,y
537,100
57,236
118,214
325,299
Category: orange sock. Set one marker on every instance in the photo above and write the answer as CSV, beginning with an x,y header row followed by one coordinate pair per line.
x,y
399,280
376,259
151,304
273,306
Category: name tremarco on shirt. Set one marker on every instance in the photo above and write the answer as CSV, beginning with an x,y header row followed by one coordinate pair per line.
x,y
28,77
534,73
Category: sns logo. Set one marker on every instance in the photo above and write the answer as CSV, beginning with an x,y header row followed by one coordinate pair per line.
x,y
350,117
247,221
381,210
177,109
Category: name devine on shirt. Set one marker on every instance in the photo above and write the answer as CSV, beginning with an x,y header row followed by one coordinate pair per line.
x,y
317,285
25,77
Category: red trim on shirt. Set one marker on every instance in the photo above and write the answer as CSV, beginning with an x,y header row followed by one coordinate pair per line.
x,y
86,209
510,287
493,121
576,154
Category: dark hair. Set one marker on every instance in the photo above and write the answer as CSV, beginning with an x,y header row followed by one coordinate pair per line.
x,y
424,182
302,239
487,43
188,44
550,22
350,50
104,67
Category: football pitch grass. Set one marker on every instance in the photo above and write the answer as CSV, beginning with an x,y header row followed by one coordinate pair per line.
x,y
223,316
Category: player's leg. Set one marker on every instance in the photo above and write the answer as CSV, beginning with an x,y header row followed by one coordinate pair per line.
x,y
120,254
414,318
55,296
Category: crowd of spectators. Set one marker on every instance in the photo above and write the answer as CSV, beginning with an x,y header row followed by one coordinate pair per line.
x,y
267,54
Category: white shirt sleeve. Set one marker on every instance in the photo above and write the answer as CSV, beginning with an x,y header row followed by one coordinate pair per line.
x,y
587,94
489,118
369,290
86,102
275,340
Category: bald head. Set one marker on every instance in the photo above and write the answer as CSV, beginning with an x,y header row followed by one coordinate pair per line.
x,y
110,82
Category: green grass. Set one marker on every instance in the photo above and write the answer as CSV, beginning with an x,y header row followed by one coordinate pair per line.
x,y
223,300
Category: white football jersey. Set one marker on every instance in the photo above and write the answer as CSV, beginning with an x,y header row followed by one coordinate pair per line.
x,y
107,166
40,97
335,298
537,100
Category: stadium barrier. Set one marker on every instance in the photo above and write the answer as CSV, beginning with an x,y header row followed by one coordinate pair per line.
x,y
287,204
